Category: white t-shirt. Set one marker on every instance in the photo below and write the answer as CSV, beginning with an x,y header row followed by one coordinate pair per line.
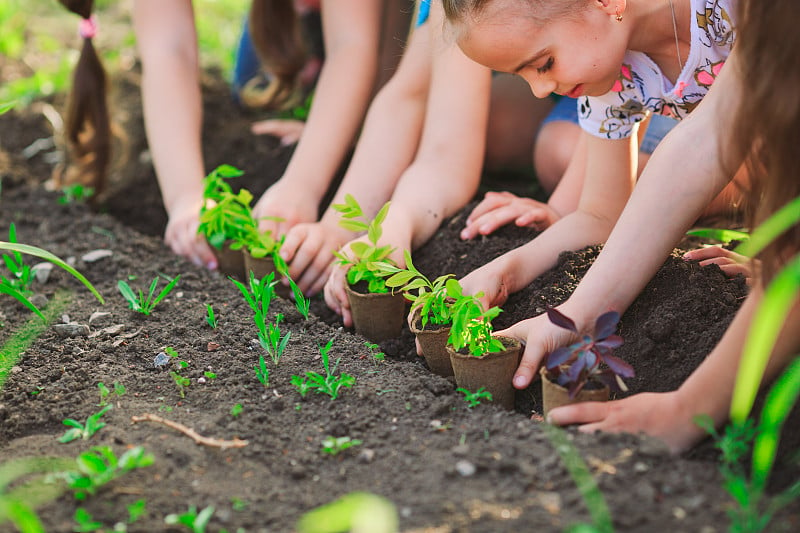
x,y
642,88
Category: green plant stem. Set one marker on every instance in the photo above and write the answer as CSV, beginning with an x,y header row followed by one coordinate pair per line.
x,y
25,335
587,486
770,229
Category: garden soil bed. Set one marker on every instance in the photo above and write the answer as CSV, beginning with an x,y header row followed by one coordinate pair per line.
x,y
445,467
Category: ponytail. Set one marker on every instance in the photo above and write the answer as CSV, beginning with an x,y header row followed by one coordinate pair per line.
x,y
278,40
88,127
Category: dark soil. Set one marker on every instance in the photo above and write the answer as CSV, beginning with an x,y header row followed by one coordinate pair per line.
x,y
445,467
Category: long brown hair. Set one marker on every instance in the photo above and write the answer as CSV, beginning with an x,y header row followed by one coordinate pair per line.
x,y
87,124
767,124
278,40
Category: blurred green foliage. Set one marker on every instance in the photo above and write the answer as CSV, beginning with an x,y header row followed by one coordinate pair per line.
x,y
39,44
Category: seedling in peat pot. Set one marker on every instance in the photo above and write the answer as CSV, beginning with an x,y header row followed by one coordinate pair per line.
x,y
191,519
211,318
225,216
100,466
472,326
474,398
368,259
336,445
84,431
328,384
574,365
146,303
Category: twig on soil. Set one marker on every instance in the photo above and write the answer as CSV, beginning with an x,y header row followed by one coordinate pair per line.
x,y
189,432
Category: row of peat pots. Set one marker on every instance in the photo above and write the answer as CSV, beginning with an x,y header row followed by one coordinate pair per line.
x,y
379,317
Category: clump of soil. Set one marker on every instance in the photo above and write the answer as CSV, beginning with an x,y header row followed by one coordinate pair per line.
x,y
446,467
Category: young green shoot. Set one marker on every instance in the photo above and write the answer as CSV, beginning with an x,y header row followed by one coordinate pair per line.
x,y
367,258
118,389
302,303
375,350
84,431
329,384
84,521
276,344
211,318
21,275
258,295
336,445
471,326
99,466
262,372
474,398
191,519
75,193
181,382
146,303
236,410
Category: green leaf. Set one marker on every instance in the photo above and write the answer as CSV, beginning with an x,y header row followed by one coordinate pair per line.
x,y
771,229
719,234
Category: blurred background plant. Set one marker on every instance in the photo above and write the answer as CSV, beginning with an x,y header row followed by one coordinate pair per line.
x,y
39,42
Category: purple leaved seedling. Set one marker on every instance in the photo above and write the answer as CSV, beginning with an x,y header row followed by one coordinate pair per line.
x,y
575,365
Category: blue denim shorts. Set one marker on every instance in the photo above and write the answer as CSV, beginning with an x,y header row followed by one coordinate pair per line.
x,y
567,110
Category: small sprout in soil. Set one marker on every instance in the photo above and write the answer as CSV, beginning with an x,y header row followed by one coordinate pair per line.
x,y
136,510
238,504
191,519
375,350
574,365
368,259
164,408
37,391
118,389
259,295
431,298
181,382
100,465
329,384
335,445
302,303
146,303
236,410
210,375
84,521
471,326
276,344
84,431
262,372
474,398
21,275
211,318
76,193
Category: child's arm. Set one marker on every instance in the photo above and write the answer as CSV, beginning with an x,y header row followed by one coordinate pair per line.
x,y
609,179
166,39
684,174
707,391
385,149
351,30
444,174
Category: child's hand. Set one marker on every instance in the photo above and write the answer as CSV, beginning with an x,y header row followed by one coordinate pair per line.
x,y
308,250
539,337
287,130
635,414
283,201
489,279
181,235
730,262
500,208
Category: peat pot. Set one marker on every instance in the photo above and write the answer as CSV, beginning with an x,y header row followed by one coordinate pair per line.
x,y
229,262
433,343
493,371
554,395
377,317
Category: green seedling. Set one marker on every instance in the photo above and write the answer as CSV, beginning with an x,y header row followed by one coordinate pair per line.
x,y
84,431
375,351
84,521
181,382
236,410
146,303
191,519
259,295
210,375
16,248
262,372
474,398
258,243
368,258
100,466
75,193
25,486
302,303
211,318
6,106
238,504
725,236
336,445
136,510
432,298
329,384
225,216
356,511
21,273
276,344
118,389
472,326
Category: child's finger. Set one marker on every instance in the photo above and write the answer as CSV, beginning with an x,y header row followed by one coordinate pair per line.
x,y
491,200
578,413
